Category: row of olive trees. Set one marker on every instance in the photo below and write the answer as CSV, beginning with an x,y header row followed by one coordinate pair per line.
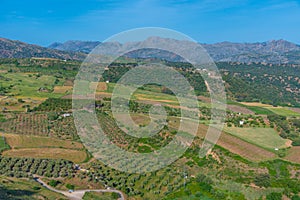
x,y
26,167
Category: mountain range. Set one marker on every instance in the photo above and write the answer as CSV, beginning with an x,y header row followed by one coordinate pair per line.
x,y
273,51
18,49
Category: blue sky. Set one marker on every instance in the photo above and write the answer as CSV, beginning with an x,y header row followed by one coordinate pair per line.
x,y
208,21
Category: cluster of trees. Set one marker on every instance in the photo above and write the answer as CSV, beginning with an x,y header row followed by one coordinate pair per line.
x,y
195,79
116,71
138,184
119,137
25,167
54,104
24,123
254,82
53,67
258,82
63,128
234,119
288,128
136,107
262,180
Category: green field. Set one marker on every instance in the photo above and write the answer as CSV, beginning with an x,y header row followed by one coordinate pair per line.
x,y
28,84
14,188
260,110
100,196
264,137
284,111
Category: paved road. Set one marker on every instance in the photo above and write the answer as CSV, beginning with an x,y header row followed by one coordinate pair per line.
x,y
77,194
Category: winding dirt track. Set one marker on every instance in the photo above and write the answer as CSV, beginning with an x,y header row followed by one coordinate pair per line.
x,y
78,194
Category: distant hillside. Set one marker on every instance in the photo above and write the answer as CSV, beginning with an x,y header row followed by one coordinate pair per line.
x,y
274,51
17,49
76,46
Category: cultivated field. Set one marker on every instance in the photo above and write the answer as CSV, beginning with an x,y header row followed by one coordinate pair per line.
x,y
43,147
260,108
99,86
75,156
24,123
245,149
256,104
62,89
239,109
16,141
264,137
236,145
284,111
295,110
293,154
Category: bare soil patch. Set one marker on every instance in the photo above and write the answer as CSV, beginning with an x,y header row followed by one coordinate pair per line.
x,y
240,109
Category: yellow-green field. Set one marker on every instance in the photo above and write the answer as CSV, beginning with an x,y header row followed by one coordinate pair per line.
x,y
284,111
264,137
43,147
62,89
256,104
259,108
75,156
99,86
17,141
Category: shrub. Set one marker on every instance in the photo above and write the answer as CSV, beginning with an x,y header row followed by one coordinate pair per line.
x,y
70,186
262,180
274,196
53,183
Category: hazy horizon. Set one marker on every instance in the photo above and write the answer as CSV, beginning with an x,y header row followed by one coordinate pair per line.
x,y
83,40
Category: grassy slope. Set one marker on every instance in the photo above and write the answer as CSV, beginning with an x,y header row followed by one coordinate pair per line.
x,y
13,188
26,86
264,137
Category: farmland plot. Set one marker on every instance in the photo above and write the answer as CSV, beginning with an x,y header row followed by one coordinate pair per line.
x,y
24,123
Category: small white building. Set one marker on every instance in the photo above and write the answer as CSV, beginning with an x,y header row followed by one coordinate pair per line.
x,y
66,115
242,123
